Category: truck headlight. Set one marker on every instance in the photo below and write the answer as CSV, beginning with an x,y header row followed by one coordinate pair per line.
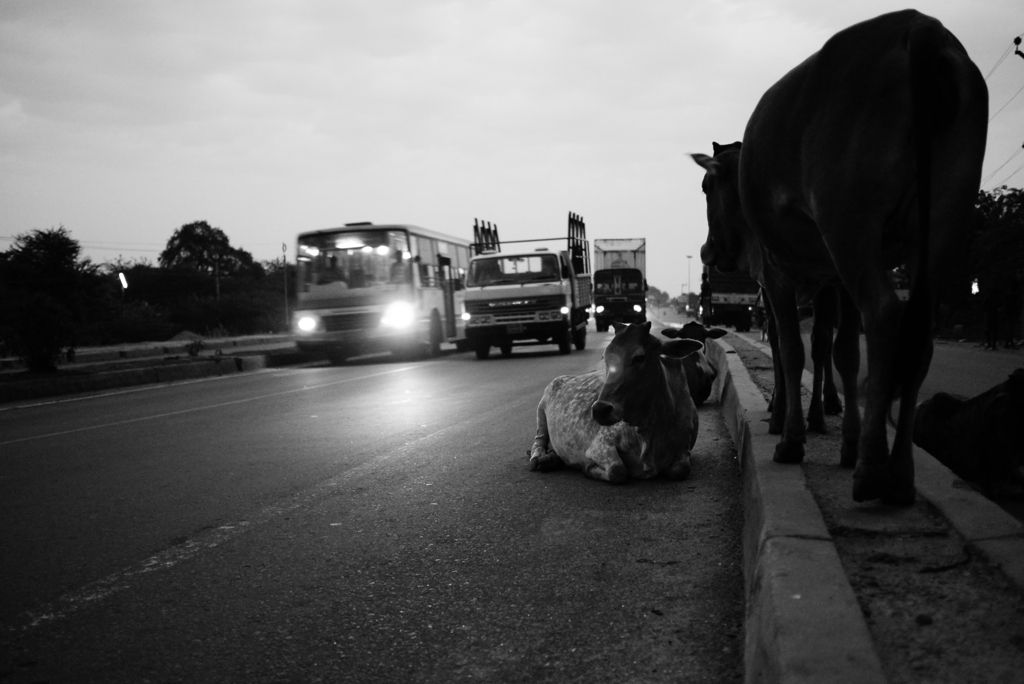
x,y
466,316
637,308
600,308
564,310
306,323
399,315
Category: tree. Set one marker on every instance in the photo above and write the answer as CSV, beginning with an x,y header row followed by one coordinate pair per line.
x,y
198,246
48,295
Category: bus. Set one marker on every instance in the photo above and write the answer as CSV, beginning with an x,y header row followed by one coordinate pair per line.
x,y
365,288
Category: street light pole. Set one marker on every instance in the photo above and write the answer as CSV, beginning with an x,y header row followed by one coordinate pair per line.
x,y
688,290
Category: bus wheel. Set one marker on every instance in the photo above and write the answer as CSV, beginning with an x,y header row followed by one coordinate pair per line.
x,y
565,340
434,346
506,348
579,338
483,349
336,357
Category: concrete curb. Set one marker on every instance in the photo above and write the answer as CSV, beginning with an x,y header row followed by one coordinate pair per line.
x,y
803,623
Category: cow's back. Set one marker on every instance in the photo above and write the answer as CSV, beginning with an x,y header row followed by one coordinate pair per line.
x,y
833,129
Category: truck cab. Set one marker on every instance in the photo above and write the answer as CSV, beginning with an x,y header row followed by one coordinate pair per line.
x,y
518,297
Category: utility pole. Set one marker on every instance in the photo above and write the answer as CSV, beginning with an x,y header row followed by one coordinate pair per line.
x,y
284,270
688,290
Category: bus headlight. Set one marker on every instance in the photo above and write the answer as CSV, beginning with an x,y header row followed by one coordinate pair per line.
x,y
399,315
306,323
637,308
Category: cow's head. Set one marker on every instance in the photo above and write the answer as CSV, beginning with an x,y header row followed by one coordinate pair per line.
x,y
635,374
726,247
694,331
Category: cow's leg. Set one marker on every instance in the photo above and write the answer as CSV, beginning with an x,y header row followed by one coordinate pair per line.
x,y
828,303
790,448
602,461
881,313
820,357
777,404
542,458
846,354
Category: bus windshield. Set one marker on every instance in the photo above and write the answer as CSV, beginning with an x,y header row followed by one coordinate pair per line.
x,y
499,270
354,260
619,283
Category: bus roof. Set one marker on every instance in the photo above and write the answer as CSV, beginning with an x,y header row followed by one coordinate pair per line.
x,y
414,230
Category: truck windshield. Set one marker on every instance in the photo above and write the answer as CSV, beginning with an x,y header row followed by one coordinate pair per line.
x,y
358,259
499,270
618,283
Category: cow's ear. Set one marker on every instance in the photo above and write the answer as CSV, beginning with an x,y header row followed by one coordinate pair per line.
x,y
709,164
646,325
715,333
677,349
672,333
619,327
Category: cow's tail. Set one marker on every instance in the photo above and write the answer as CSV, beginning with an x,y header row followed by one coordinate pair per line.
x,y
932,106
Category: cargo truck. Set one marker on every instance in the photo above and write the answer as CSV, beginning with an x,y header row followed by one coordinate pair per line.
x,y
733,296
620,281
527,296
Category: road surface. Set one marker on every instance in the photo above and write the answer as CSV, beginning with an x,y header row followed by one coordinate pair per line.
x,y
370,522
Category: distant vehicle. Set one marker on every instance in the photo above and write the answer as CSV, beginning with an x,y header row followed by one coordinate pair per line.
x,y
363,288
620,281
733,296
537,296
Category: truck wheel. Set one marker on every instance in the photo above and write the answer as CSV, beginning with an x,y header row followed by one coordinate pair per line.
x,y
579,338
336,357
506,348
602,327
483,349
565,341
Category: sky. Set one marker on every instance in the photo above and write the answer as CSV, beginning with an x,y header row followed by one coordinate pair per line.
x,y
123,120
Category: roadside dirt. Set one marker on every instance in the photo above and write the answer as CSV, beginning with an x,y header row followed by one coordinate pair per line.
x,y
937,611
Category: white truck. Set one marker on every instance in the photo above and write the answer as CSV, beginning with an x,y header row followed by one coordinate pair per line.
x,y
620,281
527,296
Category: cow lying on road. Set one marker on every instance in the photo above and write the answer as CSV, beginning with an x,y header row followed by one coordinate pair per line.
x,y
979,439
636,419
700,373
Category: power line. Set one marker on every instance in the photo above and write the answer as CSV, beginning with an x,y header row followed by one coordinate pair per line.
x,y
1005,105
986,179
1011,175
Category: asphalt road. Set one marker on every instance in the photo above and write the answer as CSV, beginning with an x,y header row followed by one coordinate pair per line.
x,y
370,522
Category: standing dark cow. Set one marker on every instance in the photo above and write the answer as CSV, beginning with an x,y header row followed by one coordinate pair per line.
x,y
700,373
865,156
636,419
980,439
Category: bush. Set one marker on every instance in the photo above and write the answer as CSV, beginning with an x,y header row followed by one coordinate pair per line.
x,y
41,331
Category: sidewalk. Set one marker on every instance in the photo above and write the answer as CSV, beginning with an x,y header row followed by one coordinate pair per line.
x,y
805,621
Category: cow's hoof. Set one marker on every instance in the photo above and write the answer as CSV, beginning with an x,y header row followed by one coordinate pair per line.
x,y
848,453
789,452
867,486
680,470
817,424
617,473
898,494
546,462
833,407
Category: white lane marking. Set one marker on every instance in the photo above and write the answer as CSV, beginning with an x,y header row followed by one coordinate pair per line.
x,y
96,591
204,408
